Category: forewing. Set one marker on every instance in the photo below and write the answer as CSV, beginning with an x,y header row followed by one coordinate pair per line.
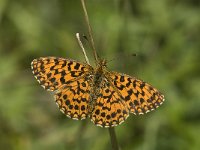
x,y
53,72
139,96
110,110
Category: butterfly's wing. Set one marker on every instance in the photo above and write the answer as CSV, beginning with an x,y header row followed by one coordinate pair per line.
x,y
73,98
53,72
69,79
140,97
109,109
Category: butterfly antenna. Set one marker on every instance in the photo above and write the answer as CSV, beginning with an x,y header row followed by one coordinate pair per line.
x,y
117,58
83,49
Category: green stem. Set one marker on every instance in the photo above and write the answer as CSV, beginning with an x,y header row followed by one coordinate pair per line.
x,y
113,138
91,40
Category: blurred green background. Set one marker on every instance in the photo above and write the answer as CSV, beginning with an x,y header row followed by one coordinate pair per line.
x,y
164,34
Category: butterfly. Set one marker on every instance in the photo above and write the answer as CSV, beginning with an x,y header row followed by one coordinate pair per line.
x,y
82,91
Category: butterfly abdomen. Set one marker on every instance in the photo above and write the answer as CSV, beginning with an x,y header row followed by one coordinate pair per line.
x,y
95,91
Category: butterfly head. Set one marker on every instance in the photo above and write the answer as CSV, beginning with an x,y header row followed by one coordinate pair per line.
x,y
103,63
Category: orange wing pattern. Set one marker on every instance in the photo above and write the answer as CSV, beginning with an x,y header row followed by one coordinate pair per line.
x,y
109,110
73,99
140,97
69,79
106,97
53,72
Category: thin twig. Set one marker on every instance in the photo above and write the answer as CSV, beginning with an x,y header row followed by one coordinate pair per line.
x,y
83,50
79,136
91,40
113,138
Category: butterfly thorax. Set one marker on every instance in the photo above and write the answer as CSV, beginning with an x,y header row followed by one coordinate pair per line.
x,y
97,83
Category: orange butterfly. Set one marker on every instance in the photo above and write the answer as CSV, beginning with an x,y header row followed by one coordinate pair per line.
x,y
105,97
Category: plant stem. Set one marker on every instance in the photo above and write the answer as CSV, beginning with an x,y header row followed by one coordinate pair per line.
x,y
91,40
83,49
113,138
